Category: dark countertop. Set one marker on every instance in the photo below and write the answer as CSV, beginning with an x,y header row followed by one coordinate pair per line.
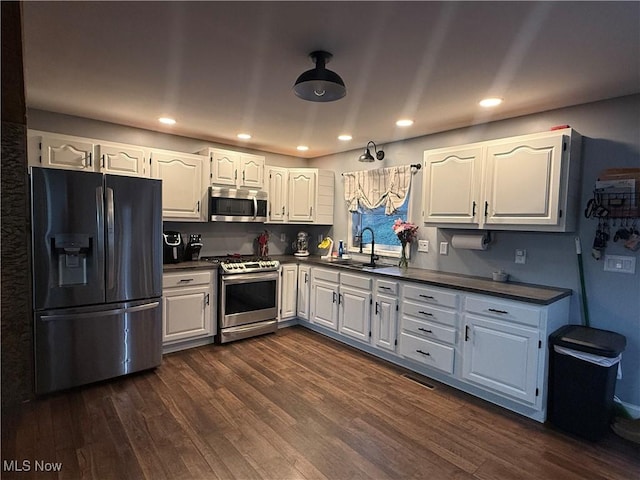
x,y
190,265
523,292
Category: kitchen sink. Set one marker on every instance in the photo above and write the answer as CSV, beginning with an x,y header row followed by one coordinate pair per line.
x,y
353,264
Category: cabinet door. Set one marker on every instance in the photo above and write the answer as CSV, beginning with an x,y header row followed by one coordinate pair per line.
x,y
184,189
288,285
302,192
385,322
186,313
304,274
523,181
324,304
122,160
452,180
252,171
277,187
355,313
224,167
67,153
501,356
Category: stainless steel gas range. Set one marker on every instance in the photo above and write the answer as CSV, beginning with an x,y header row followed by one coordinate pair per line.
x,y
248,301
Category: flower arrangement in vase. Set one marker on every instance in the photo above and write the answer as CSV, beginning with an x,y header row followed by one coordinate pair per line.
x,y
406,233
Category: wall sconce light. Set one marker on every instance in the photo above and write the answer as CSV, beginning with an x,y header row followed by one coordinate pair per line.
x,y
367,157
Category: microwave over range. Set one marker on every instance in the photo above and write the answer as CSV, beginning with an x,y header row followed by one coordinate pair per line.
x,y
237,205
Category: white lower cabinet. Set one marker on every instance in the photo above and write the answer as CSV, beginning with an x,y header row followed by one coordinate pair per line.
x,y
384,320
304,291
355,300
502,347
429,326
189,306
288,286
324,297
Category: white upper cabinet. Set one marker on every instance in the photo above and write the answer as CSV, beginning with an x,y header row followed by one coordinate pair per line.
x,y
277,185
302,193
530,182
235,169
184,184
121,159
452,185
61,151
523,181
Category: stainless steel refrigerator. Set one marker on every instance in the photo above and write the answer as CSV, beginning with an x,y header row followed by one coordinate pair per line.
x,y
97,276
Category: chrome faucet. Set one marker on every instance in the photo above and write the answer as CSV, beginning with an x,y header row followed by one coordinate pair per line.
x,y
374,257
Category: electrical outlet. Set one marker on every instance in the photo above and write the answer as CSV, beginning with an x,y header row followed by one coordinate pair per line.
x,y
283,237
521,256
619,264
320,238
444,248
423,245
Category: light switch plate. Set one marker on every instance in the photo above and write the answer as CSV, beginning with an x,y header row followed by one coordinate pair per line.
x,y
619,264
521,256
444,248
423,245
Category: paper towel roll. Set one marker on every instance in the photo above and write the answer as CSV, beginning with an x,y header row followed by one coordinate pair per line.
x,y
470,242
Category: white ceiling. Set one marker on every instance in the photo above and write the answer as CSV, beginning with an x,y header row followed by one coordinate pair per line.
x,y
220,68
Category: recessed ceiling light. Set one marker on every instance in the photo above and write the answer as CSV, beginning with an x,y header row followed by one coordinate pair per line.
x,y
302,148
345,138
490,102
405,122
167,120
244,136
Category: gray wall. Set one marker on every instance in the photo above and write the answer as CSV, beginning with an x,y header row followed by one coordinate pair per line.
x,y
611,138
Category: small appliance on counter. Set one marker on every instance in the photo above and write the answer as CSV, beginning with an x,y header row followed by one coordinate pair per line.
x,y
301,245
192,250
172,247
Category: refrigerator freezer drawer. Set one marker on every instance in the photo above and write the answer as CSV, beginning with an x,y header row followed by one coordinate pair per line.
x,y
82,345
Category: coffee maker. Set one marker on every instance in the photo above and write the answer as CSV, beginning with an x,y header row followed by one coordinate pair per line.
x,y
301,245
172,247
192,250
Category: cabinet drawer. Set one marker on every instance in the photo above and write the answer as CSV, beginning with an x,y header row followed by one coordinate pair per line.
x,y
430,295
325,274
356,281
185,279
384,286
429,313
427,352
505,310
429,330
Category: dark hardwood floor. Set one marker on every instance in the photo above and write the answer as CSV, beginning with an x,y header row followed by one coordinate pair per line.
x,y
291,405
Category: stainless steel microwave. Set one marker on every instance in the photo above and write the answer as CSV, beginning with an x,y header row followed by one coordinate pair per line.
x,y
237,205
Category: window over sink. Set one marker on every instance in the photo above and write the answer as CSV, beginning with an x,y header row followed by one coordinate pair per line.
x,y
387,243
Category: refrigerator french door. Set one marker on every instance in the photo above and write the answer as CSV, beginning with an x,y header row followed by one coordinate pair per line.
x,y
97,276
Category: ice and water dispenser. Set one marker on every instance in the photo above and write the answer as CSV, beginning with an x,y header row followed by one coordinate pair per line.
x,y
72,250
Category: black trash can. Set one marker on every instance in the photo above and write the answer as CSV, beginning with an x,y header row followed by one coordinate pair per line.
x,y
583,366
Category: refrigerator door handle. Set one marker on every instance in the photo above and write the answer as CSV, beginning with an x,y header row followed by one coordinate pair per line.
x,y
102,313
111,257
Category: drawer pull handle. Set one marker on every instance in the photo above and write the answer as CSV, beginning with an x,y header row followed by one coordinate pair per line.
x,y
498,311
376,308
424,353
186,280
384,288
424,330
466,333
425,313
427,296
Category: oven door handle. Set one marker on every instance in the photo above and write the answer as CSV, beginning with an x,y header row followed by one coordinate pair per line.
x,y
249,277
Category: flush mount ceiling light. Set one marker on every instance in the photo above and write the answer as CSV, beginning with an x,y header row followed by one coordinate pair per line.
x,y
320,84
367,157
490,102
404,122
345,137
